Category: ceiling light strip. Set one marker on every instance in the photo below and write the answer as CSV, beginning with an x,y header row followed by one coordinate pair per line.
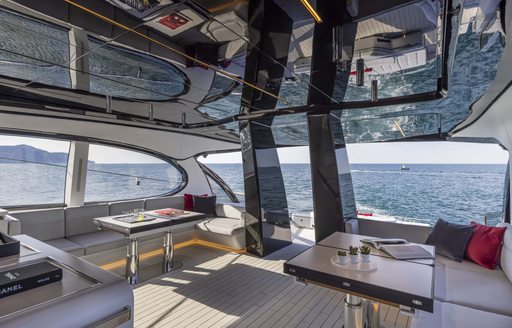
x,y
229,75
311,11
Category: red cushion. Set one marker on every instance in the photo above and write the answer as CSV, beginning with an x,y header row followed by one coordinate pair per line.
x,y
485,245
189,201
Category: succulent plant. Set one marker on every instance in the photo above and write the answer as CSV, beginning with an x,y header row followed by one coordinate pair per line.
x,y
352,250
364,249
342,253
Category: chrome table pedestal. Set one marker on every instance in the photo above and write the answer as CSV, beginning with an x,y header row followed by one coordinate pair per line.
x,y
168,264
132,262
361,313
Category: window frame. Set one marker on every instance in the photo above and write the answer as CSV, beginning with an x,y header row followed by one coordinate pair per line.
x,y
162,157
69,138
209,173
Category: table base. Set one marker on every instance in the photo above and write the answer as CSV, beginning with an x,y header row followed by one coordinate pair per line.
x,y
132,262
361,313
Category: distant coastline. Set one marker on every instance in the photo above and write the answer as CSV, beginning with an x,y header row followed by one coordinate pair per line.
x,y
25,153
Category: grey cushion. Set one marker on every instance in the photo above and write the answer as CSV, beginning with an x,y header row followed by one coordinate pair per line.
x,y
79,220
165,202
66,246
42,224
450,239
223,226
119,207
205,205
468,284
99,241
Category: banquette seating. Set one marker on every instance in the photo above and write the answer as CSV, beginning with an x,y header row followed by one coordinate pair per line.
x,y
72,229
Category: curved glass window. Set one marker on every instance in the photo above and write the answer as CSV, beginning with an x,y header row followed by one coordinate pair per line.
x,y
117,174
32,170
33,51
123,73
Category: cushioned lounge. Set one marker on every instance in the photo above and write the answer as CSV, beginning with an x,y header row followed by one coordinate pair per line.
x,y
99,241
164,202
67,246
79,220
471,285
42,224
120,207
223,226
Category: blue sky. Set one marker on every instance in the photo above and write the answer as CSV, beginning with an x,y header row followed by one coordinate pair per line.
x,y
399,152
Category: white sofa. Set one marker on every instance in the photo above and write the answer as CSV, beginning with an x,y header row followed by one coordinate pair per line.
x,y
72,229
468,295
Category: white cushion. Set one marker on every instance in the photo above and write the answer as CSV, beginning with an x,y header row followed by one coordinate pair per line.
x,y
99,241
231,210
471,285
223,226
67,246
164,202
119,207
447,315
79,220
42,224
506,250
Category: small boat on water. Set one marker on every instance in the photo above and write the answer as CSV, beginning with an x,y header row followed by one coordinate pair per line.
x,y
404,168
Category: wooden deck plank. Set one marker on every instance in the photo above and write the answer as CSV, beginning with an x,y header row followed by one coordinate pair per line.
x,y
220,289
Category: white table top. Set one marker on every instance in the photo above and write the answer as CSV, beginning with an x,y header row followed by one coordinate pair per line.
x,y
399,282
342,240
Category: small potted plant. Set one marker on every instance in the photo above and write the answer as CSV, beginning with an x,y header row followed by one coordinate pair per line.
x,y
342,257
365,253
352,253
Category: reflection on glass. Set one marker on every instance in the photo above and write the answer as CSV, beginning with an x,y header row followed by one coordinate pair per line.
x,y
223,99
32,50
122,73
400,51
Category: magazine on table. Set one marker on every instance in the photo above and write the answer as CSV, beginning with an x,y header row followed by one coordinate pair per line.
x,y
399,249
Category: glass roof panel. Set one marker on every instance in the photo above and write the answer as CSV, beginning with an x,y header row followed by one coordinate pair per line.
x,y
122,73
33,51
398,49
474,68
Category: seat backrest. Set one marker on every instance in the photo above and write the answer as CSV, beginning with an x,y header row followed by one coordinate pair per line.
x,y
164,202
233,210
120,207
42,224
79,220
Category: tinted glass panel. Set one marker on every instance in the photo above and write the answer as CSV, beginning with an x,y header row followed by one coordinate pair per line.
x,y
116,174
32,170
122,73
399,49
33,51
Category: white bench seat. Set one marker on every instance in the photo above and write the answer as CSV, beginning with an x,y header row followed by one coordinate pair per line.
x,y
67,246
99,241
223,226
471,285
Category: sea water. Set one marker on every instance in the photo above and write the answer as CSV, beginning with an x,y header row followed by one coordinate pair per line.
x,y
425,193
455,192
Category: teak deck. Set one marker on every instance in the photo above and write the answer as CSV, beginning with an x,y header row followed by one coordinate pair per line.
x,y
215,288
